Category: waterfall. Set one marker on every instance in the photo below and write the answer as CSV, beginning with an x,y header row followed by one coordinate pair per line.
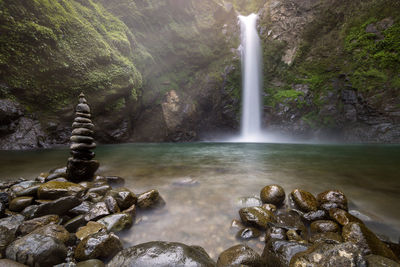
x,y
252,79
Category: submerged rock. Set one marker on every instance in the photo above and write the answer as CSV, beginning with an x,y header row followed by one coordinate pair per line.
x,y
304,200
273,194
344,254
37,250
162,254
98,246
239,255
247,202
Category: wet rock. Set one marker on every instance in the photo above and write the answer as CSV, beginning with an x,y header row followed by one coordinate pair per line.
x,y
343,217
239,255
2,209
289,220
150,199
315,215
100,190
81,169
247,202
366,240
29,226
111,204
58,207
269,207
278,253
37,250
124,197
256,216
8,230
29,211
28,192
10,263
98,246
131,211
115,181
90,263
20,203
304,200
97,211
324,226
4,197
292,235
332,199
92,197
73,224
117,222
344,254
275,233
162,254
83,208
55,190
248,233
22,185
273,194
379,261
328,237
55,231
90,229
56,175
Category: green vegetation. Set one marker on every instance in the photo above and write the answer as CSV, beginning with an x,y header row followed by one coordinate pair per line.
x,y
50,51
358,41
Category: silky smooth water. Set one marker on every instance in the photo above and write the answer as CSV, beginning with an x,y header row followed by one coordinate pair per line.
x,y
252,81
201,214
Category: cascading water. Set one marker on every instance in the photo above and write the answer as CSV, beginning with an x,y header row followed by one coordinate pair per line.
x,y
252,79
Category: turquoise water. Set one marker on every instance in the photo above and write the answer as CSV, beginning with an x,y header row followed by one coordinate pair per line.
x,y
201,214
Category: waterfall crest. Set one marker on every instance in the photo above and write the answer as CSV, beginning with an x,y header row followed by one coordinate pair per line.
x,y
251,130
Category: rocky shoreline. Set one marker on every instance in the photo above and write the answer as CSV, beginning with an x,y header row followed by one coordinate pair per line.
x,y
50,221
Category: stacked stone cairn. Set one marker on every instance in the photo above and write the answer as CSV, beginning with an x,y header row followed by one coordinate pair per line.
x,y
81,166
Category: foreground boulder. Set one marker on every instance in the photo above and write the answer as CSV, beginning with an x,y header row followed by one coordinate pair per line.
x,y
37,250
239,255
332,199
56,189
304,200
162,254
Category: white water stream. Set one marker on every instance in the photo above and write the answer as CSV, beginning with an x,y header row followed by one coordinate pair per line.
x,y
251,130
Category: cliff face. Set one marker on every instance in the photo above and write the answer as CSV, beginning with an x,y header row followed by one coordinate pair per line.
x,y
127,56
332,69
170,70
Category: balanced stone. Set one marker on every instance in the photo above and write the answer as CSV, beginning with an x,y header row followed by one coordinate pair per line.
x,y
82,139
85,115
83,125
82,131
82,120
82,166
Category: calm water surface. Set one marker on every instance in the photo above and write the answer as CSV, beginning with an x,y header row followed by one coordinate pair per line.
x,y
201,214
